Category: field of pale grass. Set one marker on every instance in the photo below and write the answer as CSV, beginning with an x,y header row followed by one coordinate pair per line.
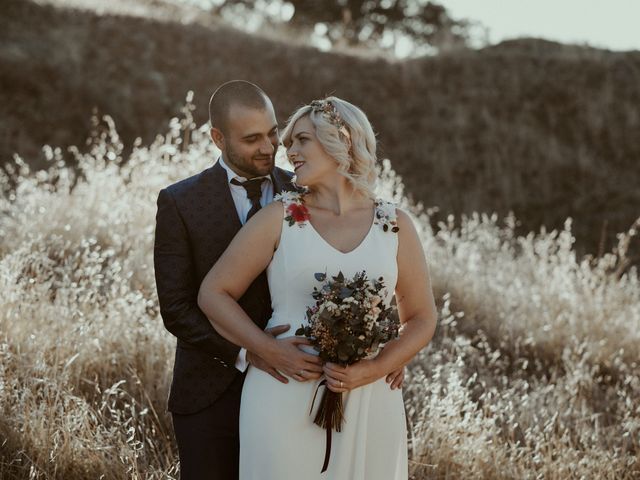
x,y
533,372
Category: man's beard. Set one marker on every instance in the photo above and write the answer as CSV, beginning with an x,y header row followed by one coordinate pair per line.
x,y
245,165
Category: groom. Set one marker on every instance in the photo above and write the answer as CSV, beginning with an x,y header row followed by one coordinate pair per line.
x,y
196,220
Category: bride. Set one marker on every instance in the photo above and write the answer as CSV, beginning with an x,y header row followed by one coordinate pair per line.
x,y
336,225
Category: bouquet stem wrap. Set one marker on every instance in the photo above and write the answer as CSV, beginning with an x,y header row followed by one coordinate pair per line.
x,y
330,416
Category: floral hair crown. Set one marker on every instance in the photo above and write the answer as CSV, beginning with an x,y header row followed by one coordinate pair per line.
x,y
330,113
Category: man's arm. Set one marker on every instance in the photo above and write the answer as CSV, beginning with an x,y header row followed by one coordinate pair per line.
x,y
177,287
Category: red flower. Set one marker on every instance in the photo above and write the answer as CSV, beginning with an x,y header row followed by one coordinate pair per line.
x,y
298,213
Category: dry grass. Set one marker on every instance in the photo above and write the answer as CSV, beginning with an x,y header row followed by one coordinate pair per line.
x,y
533,372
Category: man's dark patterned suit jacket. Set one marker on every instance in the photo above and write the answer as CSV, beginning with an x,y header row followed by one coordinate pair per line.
x,y
195,223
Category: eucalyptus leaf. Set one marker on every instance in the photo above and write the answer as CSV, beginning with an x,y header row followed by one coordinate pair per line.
x,y
345,293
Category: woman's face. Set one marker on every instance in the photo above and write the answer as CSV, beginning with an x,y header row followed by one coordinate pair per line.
x,y
311,163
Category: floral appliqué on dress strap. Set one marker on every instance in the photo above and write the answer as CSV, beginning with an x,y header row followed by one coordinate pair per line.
x,y
386,216
297,212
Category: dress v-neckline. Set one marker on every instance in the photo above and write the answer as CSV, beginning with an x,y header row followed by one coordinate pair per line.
x,y
326,242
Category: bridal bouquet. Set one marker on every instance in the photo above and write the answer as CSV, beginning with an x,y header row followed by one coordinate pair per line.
x,y
349,322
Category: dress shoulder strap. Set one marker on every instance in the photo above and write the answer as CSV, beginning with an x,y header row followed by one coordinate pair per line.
x,y
386,216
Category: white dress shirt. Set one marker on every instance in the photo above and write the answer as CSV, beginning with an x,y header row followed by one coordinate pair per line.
x,y
243,205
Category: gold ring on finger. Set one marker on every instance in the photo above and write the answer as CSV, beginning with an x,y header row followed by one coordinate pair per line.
x,y
340,383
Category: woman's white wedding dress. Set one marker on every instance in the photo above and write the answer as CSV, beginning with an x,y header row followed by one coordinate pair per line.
x,y
278,439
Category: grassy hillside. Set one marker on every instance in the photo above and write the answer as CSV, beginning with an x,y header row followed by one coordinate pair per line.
x,y
532,372
546,130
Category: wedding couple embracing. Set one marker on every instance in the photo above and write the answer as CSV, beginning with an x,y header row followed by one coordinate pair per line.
x,y
243,256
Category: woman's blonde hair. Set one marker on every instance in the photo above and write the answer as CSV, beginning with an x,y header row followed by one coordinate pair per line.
x,y
345,133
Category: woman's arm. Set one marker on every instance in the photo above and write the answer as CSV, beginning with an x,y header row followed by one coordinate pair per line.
x,y
246,257
417,311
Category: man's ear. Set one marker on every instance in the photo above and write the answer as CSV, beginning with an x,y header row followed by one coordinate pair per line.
x,y
217,137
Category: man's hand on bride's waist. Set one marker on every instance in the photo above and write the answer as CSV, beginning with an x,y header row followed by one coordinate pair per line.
x,y
258,362
285,356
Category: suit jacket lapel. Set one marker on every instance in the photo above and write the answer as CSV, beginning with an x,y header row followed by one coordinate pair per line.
x,y
281,182
222,184
277,183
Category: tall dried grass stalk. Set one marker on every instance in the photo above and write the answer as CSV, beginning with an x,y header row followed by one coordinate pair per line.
x,y
533,372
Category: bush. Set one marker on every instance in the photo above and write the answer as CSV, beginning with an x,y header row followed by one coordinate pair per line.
x,y
541,129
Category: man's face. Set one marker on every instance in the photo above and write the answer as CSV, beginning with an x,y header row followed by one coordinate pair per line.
x,y
251,140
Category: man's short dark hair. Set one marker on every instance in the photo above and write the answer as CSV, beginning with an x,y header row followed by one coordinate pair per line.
x,y
235,92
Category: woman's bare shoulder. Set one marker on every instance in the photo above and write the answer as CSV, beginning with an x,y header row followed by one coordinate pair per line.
x,y
408,236
404,219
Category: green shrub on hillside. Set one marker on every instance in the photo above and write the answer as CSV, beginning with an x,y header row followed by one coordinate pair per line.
x,y
544,130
